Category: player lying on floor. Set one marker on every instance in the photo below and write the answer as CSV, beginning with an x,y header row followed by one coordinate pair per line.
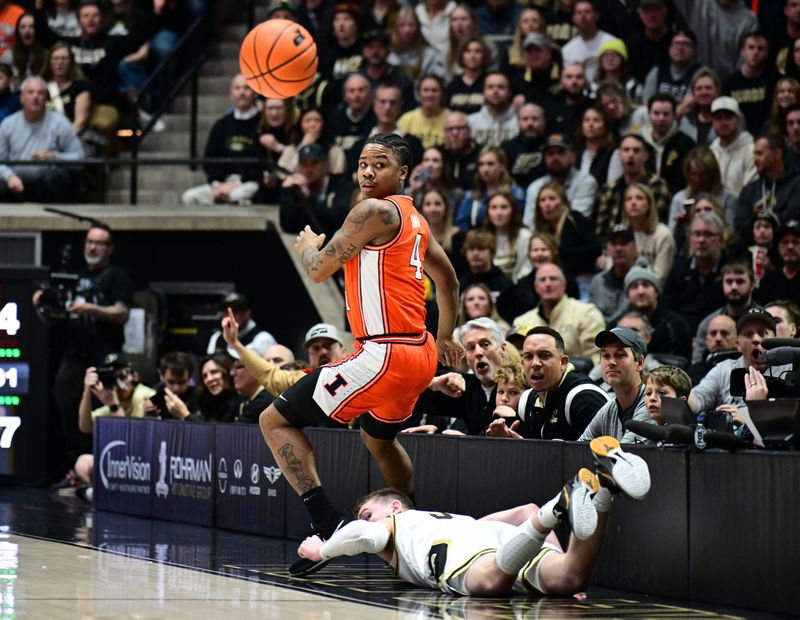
x,y
502,552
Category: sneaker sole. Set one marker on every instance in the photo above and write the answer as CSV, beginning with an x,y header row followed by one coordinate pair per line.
x,y
630,472
582,513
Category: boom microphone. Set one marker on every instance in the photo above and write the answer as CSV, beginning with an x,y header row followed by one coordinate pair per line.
x,y
783,355
774,343
715,439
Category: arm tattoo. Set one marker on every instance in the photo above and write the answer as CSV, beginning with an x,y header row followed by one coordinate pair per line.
x,y
293,467
311,260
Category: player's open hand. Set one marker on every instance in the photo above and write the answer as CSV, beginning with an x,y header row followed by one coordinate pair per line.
x,y
450,352
308,239
310,548
230,328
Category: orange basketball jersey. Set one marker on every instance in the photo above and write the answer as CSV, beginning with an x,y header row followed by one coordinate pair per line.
x,y
385,285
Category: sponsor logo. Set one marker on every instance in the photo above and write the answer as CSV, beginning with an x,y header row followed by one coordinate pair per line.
x,y
119,471
272,473
222,475
254,473
237,468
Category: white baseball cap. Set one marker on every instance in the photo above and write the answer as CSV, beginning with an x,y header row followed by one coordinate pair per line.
x,y
726,103
322,330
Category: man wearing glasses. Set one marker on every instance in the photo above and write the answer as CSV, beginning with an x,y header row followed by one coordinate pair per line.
x,y
97,312
461,150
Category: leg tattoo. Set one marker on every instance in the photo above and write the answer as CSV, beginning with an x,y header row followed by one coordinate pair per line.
x,y
294,468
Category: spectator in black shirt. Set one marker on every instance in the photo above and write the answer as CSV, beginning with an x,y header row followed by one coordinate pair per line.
x,y
649,46
565,108
784,283
376,49
464,93
525,151
479,249
461,150
538,79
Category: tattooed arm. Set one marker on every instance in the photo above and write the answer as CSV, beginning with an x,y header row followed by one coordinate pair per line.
x,y
371,221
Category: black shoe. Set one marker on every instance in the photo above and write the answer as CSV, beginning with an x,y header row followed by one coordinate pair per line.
x,y
305,567
86,493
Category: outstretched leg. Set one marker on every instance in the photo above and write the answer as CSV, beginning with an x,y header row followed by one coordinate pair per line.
x,y
291,450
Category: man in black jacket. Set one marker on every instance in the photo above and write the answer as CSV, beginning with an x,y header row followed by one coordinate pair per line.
x,y
525,151
561,401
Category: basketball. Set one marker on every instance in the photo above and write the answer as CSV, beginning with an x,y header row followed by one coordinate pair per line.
x,y
278,58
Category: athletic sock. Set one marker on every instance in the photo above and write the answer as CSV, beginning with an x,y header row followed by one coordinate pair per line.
x,y
547,517
519,549
602,500
321,510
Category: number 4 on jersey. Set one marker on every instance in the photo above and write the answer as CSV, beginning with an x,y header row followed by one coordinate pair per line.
x,y
416,261
8,318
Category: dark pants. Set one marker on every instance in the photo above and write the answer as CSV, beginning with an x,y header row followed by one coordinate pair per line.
x,y
45,184
67,390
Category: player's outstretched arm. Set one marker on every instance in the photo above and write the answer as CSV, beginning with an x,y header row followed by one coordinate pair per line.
x,y
370,221
440,269
356,537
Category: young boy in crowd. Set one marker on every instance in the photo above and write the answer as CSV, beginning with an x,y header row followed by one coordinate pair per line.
x,y
665,381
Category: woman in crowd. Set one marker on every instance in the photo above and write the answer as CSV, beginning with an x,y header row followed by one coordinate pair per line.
x,y
576,241
463,26
311,128
491,178
411,51
654,241
383,12
433,172
613,68
28,54
436,207
703,175
763,254
786,94
464,93
522,297
596,149
277,128
426,122
476,302
530,20
695,109
504,220
625,116
215,394
67,89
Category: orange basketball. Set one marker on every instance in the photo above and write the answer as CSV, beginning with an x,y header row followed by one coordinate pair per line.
x,y
278,58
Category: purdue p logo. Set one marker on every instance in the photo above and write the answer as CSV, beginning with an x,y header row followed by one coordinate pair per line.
x,y
333,386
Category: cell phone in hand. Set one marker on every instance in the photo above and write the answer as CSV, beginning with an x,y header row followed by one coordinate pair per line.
x,y
159,399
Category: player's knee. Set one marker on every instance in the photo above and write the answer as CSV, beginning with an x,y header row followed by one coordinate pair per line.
x,y
270,419
83,467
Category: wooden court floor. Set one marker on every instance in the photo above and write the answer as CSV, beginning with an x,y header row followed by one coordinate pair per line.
x,y
61,559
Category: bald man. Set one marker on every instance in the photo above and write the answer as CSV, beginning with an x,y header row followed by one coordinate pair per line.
x,y
278,354
721,336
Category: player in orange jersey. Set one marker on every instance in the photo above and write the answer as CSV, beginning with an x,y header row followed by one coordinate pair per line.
x,y
384,245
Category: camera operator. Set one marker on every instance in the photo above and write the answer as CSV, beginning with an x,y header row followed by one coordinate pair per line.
x,y
713,393
116,385
98,310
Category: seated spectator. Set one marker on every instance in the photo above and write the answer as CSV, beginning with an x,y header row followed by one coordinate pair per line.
x,y
763,254
670,145
526,151
585,47
464,93
673,76
175,381
622,355
668,381
531,19
560,27
596,149
640,325
252,398
491,178
775,188
654,242
378,70
312,197
786,315
215,394
477,302
781,283
671,333
344,54
577,321
733,146
695,284
613,68
250,334
522,296
276,131
426,122
351,122
27,57
511,383
411,50
479,249
565,108
497,19
461,151
62,18
626,117
437,209
234,135
280,355
496,121
504,221
464,25
753,82
720,339
738,286
560,402
9,98
577,244
607,288
695,109
36,133
633,153
433,173
434,19
703,175
312,130
785,96
68,90
538,78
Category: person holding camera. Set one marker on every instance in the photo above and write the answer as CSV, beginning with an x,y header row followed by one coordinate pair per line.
x,y
96,313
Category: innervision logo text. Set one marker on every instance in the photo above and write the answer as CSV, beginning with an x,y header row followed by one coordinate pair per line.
x,y
119,471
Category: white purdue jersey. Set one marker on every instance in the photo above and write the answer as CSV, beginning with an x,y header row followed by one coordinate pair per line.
x,y
434,549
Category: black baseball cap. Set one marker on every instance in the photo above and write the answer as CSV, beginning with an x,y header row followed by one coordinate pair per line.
x,y
621,231
235,300
558,139
116,360
626,336
754,314
311,151
792,226
376,35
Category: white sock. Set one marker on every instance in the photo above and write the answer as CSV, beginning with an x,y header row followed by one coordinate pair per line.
x,y
522,547
602,500
547,517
